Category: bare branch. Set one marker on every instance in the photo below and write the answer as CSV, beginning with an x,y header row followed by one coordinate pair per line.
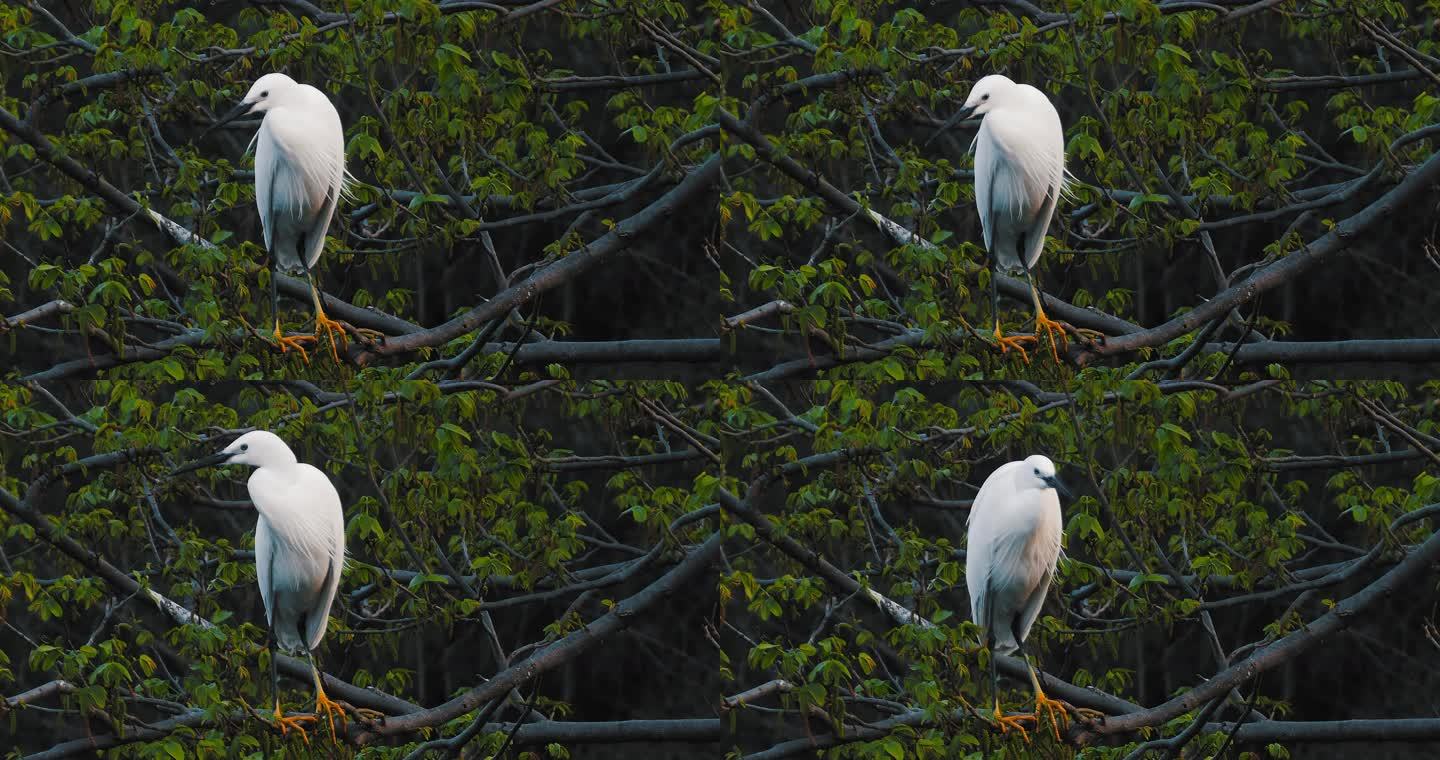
x,y
560,652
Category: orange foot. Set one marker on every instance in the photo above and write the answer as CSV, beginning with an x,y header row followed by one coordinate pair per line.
x,y
1057,711
330,709
287,342
1007,722
368,716
1008,342
1050,328
288,722
330,328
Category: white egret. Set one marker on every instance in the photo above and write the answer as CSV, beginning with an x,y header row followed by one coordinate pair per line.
x,y
299,552
1013,544
299,177
1019,176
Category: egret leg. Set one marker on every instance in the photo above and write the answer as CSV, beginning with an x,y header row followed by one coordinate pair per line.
x,y
1055,709
285,342
1002,721
1050,327
322,322
274,672
282,721
1006,342
1058,710
323,704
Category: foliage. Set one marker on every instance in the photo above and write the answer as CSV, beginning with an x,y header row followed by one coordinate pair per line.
x,y
651,271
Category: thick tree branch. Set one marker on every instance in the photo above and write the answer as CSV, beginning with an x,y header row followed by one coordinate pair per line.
x,y
1407,350
617,239
847,585
1415,565
687,350
125,584
565,650
153,730
668,731
1333,731
43,311
1341,237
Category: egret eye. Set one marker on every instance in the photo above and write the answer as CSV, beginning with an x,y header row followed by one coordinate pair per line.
x,y
986,96
266,94
246,447
1037,470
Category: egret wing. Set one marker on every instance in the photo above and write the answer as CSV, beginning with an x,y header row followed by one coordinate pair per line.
x,y
280,192
1043,552
984,518
1043,160
264,556
318,617
987,163
332,533
1035,235
1010,576
323,164
1036,601
267,156
315,236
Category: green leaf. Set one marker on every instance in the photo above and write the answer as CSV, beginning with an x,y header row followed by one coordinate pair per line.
x,y
455,50
458,431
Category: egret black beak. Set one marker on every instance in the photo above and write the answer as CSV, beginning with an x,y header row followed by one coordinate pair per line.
x,y
202,463
1054,482
961,115
235,113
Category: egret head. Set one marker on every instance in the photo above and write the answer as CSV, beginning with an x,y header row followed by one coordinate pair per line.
x,y
257,448
267,92
993,91
1039,472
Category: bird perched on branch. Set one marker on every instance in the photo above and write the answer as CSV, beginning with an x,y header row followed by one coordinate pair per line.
x,y
299,552
299,178
1013,545
1019,176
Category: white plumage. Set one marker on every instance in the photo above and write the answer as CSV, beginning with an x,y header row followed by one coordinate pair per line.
x,y
299,168
1019,168
299,178
1019,177
299,539
1011,551
1014,542
299,549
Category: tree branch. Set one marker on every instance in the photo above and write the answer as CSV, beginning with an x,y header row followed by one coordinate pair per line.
x,y
1338,239
845,584
125,584
1409,350
560,652
617,239
43,311
1333,731
1284,650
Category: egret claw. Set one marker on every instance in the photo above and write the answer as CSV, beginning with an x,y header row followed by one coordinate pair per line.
x,y
1006,722
287,342
1055,709
287,722
1008,342
330,709
331,329
1051,328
